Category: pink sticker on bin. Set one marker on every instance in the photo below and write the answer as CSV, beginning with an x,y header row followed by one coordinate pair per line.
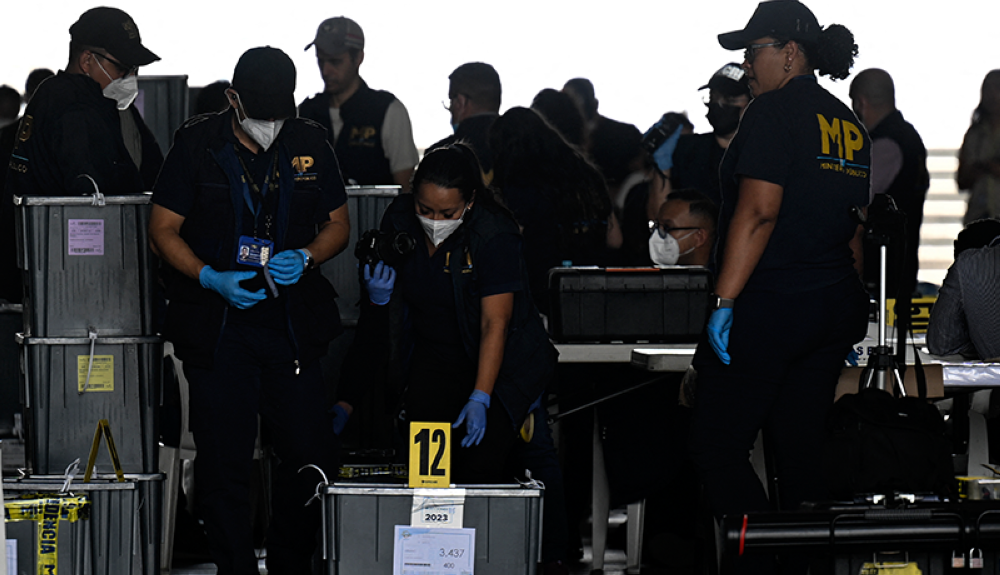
x,y
86,237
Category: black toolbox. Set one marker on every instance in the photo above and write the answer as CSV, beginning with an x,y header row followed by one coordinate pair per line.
x,y
592,304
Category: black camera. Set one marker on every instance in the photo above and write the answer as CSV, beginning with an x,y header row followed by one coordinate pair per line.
x,y
661,130
378,246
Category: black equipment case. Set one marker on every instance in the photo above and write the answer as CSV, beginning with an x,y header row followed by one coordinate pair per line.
x,y
595,304
863,538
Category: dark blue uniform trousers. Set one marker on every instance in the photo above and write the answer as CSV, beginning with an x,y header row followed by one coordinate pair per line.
x,y
255,373
787,351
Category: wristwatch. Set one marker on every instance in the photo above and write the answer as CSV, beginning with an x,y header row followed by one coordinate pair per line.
x,y
718,302
310,260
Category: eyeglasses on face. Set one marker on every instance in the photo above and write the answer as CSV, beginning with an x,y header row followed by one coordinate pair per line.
x,y
122,68
751,51
663,230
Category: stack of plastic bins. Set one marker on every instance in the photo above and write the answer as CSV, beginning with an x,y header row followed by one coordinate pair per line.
x,y
121,535
89,351
359,527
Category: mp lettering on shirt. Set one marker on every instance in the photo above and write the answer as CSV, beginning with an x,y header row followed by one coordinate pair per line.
x,y
842,137
301,165
363,136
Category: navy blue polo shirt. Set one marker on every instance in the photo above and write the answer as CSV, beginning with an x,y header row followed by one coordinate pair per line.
x,y
426,286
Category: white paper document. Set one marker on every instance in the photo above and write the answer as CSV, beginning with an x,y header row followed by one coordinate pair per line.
x,y
433,551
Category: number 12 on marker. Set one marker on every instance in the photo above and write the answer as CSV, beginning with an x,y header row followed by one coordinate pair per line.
x,y
430,454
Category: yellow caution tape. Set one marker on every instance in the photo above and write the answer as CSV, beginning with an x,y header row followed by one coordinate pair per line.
x,y
47,511
31,507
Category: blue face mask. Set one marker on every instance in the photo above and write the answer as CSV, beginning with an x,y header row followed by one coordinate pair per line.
x,y
454,126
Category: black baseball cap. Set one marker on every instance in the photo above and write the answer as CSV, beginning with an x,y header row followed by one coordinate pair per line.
x,y
729,80
265,80
113,30
776,18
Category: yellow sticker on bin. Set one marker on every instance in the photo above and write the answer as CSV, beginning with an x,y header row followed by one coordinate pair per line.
x,y
102,373
890,569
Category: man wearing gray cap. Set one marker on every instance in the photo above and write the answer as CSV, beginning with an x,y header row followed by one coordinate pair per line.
x,y
80,130
369,129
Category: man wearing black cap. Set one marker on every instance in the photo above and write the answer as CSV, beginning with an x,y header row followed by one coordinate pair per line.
x,y
248,204
369,129
697,157
80,130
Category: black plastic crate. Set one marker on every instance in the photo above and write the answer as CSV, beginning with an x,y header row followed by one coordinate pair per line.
x,y
594,304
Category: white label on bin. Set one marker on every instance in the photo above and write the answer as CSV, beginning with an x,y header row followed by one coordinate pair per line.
x,y
431,551
86,237
11,556
102,373
438,508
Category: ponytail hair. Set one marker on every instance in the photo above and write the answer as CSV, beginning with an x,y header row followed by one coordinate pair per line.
x,y
833,54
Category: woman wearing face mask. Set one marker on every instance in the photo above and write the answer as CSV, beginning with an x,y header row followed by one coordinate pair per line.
x,y
789,301
477,354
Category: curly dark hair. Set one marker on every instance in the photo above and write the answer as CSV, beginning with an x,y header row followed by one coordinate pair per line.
x,y
528,152
833,54
561,113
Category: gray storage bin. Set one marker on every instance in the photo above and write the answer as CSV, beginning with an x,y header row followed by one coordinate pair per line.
x,y
359,527
365,205
85,265
163,104
120,537
61,421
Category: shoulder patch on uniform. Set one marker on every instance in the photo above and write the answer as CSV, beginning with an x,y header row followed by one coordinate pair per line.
x,y
311,123
198,119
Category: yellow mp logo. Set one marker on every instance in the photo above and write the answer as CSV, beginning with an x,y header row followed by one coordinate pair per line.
x,y
302,163
363,133
24,132
845,134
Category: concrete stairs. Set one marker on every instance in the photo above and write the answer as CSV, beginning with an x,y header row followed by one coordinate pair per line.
x,y
943,211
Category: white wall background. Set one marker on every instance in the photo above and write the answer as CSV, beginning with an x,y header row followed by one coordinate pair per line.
x,y
644,57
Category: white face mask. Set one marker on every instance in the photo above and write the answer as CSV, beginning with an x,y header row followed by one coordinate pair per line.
x,y
264,132
123,90
439,230
667,250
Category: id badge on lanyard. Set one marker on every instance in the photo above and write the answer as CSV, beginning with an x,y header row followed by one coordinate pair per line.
x,y
254,252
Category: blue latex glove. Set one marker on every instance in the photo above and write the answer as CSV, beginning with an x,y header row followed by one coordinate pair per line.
x,y
227,284
853,357
718,332
340,417
664,155
379,283
286,267
474,415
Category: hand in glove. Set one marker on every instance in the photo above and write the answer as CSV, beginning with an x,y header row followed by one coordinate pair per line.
x,y
474,415
227,284
340,417
286,267
718,332
379,283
